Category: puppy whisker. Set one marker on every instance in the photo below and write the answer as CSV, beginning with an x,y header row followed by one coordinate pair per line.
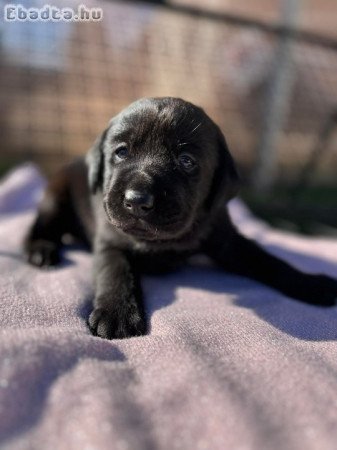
x,y
183,143
195,128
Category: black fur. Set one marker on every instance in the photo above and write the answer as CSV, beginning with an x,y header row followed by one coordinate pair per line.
x,y
174,164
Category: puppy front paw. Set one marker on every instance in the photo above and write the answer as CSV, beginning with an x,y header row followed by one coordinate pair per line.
x,y
42,253
117,323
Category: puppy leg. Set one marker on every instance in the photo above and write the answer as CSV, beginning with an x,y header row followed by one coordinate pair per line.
x,y
118,308
43,242
244,257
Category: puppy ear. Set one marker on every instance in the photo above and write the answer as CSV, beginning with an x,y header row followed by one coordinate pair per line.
x,y
226,180
95,161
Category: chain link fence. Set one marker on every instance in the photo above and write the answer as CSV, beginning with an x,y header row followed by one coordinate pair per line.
x,y
60,83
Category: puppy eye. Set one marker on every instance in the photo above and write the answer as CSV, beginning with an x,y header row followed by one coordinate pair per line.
x,y
186,162
121,152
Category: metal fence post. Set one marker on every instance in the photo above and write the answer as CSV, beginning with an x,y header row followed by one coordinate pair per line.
x,y
277,101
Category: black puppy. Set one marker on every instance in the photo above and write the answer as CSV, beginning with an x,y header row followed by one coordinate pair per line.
x,y
161,175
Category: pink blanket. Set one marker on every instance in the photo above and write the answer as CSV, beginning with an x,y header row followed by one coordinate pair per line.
x,y
228,364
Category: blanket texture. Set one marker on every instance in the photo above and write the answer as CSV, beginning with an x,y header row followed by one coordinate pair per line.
x,y
228,364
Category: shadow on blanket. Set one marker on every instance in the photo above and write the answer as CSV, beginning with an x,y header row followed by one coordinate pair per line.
x,y
289,316
44,376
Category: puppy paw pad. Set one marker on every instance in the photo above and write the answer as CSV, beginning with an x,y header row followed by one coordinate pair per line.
x,y
111,325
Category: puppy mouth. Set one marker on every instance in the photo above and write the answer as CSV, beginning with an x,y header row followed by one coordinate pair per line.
x,y
143,229
148,228
138,231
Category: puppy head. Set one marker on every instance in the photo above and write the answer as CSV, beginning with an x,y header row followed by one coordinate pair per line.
x,y
161,165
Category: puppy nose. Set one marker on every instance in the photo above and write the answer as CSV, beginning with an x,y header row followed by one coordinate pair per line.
x,y
138,203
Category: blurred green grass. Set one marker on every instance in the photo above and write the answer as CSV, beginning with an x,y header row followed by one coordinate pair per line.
x,y
312,211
